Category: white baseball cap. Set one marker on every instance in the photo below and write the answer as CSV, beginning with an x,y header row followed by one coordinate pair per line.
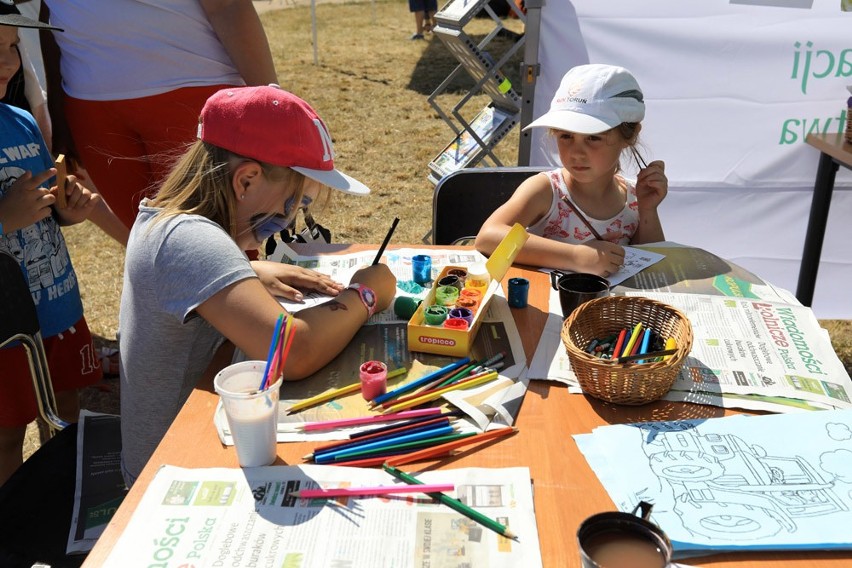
x,y
592,99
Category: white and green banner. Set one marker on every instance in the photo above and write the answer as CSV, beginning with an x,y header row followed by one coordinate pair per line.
x,y
732,89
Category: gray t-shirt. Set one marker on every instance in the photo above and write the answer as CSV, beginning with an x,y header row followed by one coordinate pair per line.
x,y
171,267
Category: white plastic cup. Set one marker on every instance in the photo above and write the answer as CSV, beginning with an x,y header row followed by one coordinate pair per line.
x,y
252,414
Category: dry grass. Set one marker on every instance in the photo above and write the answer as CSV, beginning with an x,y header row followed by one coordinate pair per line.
x,y
371,86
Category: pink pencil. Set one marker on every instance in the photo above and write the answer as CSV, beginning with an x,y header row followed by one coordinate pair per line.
x,y
380,490
342,422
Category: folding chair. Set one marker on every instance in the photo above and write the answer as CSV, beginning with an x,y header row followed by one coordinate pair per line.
x,y
19,322
464,199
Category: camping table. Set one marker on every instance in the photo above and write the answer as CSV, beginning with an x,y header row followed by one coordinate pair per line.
x,y
566,489
834,152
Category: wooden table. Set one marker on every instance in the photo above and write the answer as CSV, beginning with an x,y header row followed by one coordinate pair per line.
x,y
834,152
566,489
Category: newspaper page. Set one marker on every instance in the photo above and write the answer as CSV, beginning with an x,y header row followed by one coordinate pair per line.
x,y
385,338
745,346
687,272
248,517
734,483
99,486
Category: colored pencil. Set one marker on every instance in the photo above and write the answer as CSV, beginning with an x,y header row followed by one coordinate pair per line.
x,y
438,393
423,393
344,422
344,444
381,445
371,491
336,393
289,334
396,448
408,423
671,343
273,344
386,241
421,381
367,462
435,451
454,504
491,362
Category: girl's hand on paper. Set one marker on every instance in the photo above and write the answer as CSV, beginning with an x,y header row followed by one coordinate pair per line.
x,y
287,281
598,257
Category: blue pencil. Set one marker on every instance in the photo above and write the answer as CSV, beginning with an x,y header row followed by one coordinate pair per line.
x,y
272,345
419,382
431,433
646,339
390,436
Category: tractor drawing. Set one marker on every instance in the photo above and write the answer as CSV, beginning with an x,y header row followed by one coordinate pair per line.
x,y
725,488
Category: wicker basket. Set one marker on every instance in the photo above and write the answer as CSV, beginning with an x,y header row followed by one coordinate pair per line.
x,y
625,383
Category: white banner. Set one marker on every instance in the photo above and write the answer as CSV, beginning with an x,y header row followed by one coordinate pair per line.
x,y
732,89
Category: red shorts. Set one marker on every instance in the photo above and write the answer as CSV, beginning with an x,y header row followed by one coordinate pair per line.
x,y
128,146
73,364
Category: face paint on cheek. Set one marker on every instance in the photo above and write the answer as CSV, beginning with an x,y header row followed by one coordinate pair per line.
x,y
264,225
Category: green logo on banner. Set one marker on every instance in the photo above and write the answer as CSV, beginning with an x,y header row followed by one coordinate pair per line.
x,y
734,287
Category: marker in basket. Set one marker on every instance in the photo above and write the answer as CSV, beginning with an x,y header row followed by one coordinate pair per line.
x,y
640,357
634,337
646,338
619,343
671,343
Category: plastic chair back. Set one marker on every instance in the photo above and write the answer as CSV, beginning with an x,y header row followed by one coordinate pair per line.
x,y
464,199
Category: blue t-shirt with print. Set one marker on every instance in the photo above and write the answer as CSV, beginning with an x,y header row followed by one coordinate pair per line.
x,y
39,248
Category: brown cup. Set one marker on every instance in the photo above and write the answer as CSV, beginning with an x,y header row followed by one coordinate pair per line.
x,y
577,288
621,540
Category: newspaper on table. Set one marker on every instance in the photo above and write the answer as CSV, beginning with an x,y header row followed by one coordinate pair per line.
x,y
100,487
772,482
249,517
384,338
736,364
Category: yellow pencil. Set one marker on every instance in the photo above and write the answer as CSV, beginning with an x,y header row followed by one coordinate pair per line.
x,y
633,338
336,393
438,393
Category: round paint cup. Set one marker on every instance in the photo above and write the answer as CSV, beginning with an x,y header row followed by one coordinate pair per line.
x,y
252,414
374,379
421,268
451,280
577,288
519,289
464,313
477,277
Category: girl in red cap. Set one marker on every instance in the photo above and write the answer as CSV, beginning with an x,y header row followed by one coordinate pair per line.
x,y
262,153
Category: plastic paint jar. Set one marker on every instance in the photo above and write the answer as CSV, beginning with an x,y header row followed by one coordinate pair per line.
x,y
374,379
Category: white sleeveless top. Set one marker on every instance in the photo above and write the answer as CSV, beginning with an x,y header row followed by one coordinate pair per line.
x,y
561,223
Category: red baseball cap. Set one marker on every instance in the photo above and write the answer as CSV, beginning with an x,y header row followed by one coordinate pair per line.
x,y
274,126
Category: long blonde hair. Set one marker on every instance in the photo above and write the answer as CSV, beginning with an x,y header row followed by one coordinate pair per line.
x,y
200,184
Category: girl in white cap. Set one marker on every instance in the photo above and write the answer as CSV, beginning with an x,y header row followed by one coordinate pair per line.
x,y
262,153
581,214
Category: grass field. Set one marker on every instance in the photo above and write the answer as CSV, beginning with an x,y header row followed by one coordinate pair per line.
x,y
371,85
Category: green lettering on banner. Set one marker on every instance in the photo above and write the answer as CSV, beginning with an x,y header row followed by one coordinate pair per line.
x,y
795,130
819,64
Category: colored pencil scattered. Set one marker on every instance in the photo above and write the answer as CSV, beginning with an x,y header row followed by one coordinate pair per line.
x,y
447,448
336,393
420,394
383,445
393,448
454,504
371,491
483,378
408,423
344,422
421,381
390,434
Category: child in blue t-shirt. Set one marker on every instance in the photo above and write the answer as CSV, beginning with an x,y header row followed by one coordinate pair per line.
x,y
29,231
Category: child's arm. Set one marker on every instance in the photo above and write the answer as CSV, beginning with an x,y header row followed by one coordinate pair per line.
x,y
80,202
651,188
286,280
26,201
530,202
246,314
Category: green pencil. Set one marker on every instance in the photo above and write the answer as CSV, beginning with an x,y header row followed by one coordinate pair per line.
x,y
454,504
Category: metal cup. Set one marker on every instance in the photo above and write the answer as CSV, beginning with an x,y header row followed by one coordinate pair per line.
x,y
577,288
620,540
